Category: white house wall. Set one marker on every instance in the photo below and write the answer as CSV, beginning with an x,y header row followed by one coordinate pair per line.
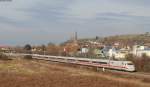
x,y
140,53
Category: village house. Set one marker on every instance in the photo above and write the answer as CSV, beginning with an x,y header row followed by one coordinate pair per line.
x,y
112,52
139,50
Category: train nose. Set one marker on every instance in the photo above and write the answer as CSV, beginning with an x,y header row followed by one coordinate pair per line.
x,y
131,68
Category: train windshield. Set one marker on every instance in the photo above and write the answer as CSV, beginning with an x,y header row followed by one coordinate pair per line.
x,y
130,64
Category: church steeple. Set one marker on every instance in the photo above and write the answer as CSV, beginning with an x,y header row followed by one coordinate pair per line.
x,y
76,36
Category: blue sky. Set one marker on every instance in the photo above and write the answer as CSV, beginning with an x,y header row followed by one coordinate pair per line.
x,y
43,21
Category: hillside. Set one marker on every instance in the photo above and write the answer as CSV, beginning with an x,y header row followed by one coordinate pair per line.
x,y
129,39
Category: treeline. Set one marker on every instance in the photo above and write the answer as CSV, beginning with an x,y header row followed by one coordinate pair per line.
x,y
49,49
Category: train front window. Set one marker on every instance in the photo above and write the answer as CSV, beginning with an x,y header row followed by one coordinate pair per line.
x,y
129,63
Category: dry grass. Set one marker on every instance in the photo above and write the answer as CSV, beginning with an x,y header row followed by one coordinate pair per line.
x,y
25,73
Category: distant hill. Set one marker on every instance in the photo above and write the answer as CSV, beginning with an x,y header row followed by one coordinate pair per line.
x,y
129,39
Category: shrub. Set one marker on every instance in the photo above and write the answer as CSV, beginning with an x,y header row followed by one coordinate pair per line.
x,y
29,57
141,63
4,57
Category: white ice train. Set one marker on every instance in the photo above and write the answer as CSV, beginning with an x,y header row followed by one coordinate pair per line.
x,y
102,63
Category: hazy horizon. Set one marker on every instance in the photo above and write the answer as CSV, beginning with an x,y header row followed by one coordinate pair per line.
x,y
41,22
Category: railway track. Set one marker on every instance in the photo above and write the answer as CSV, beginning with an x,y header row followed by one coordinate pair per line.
x,y
134,74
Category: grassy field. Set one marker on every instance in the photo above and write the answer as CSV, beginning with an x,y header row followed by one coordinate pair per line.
x,y
31,73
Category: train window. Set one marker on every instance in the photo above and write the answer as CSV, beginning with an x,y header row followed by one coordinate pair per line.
x,y
83,60
52,58
99,62
71,60
60,59
111,62
129,63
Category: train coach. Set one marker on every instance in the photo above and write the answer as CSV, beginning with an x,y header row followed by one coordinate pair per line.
x,y
102,63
